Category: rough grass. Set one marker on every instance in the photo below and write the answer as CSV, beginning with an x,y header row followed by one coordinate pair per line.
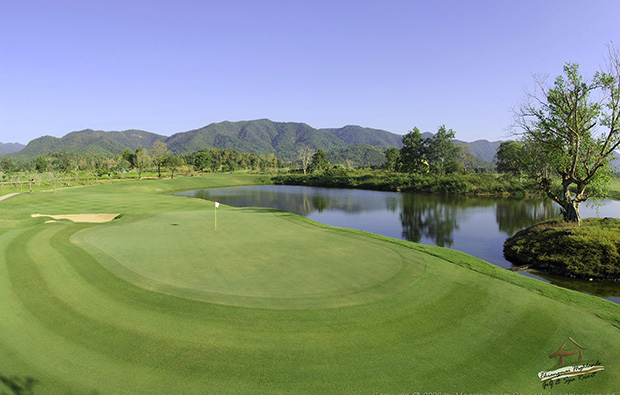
x,y
591,250
72,322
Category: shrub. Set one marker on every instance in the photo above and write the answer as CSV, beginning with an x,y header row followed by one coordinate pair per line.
x,y
587,251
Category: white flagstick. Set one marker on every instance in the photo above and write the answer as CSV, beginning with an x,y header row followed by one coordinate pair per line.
x,y
216,206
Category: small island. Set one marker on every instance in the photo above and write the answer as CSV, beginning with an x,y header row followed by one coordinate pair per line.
x,y
590,251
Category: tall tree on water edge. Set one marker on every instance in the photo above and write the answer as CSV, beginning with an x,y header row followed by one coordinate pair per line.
x,y
569,132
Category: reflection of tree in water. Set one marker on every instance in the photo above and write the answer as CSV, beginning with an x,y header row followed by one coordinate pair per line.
x,y
602,288
422,216
298,203
296,199
429,216
513,215
391,203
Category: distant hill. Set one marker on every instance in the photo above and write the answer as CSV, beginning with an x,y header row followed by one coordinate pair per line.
x,y
352,144
483,149
360,155
7,148
258,137
90,142
357,135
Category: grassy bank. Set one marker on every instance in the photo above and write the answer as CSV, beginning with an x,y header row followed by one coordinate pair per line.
x,y
458,184
590,251
159,301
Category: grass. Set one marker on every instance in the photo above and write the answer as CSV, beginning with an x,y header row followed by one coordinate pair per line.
x,y
591,250
614,188
159,301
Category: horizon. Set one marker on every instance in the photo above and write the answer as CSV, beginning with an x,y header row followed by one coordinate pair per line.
x,y
167,68
248,120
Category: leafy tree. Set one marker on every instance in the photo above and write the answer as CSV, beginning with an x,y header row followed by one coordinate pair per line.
x,y
173,163
392,155
7,165
142,161
440,149
420,155
413,153
569,132
466,160
319,162
509,158
202,160
159,153
128,156
271,160
40,164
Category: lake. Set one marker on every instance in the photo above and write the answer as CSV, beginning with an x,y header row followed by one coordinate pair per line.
x,y
476,226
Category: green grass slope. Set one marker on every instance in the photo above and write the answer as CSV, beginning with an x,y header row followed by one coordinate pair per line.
x,y
159,301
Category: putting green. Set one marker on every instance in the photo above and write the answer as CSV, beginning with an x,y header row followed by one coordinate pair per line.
x,y
255,258
157,301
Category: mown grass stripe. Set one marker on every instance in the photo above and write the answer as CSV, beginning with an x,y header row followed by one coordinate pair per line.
x,y
453,321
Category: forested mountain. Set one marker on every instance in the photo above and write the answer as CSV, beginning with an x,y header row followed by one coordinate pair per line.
x,y
257,137
7,148
356,135
352,144
90,142
360,155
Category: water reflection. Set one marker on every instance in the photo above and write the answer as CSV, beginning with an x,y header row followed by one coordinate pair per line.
x,y
422,217
476,226
428,217
515,214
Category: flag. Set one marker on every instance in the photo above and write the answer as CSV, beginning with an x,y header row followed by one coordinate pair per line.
x,y
217,204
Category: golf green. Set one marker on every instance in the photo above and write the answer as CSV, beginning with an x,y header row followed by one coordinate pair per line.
x,y
255,258
159,301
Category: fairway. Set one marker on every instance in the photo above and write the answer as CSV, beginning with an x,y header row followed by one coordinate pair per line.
x,y
159,301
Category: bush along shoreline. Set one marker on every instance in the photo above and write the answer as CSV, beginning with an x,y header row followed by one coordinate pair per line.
x,y
590,251
450,184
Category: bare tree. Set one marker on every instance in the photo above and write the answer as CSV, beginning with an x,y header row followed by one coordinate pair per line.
x,y
159,153
305,153
143,160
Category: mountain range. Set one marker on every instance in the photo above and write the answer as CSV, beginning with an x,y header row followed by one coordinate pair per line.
x,y
7,148
259,137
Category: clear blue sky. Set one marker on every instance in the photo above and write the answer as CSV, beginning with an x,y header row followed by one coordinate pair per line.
x,y
172,66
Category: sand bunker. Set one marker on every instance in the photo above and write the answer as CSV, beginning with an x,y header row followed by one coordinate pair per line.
x,y
92,218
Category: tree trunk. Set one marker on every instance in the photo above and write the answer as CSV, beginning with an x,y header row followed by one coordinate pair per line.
x,y
570,212
568,205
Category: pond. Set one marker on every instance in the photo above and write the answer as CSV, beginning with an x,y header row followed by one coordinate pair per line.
x,y
476,226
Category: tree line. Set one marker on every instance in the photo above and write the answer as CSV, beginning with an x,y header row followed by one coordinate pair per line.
x,y
158,159
566,132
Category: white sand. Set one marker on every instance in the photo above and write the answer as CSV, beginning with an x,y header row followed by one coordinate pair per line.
x,y
92,218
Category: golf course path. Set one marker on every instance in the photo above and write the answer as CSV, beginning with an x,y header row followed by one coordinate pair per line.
x,y
8,195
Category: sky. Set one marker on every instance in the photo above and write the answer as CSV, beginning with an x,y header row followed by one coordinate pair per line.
x,y
173,66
